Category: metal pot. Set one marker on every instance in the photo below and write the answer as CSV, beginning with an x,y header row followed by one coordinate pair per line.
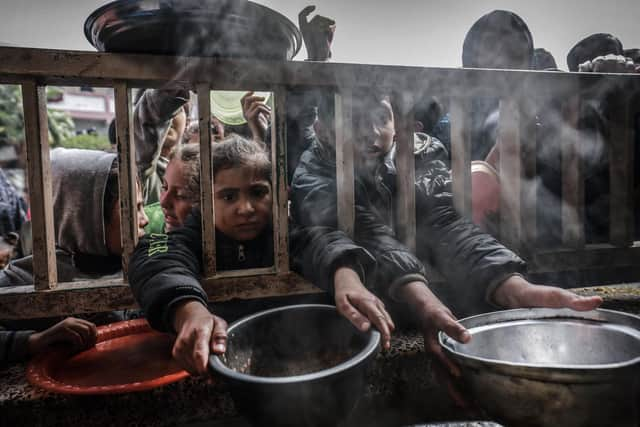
x,y
299,365
214,28
545,367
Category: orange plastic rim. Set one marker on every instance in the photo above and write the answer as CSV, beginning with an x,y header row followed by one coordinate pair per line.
x,y
128,356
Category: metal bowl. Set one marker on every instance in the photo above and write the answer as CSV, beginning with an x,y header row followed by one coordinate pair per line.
x,y
213,28
299,365
546,367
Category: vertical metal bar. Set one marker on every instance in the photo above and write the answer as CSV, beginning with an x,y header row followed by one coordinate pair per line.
x,y
529,146
206,182
405,217
510,173
126,173
461,156
279,167
344,161
621,171
572,177
34,102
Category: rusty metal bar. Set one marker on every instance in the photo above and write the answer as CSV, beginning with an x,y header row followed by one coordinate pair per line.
x,y
34,102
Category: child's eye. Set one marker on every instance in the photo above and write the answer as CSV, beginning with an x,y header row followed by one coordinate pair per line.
x,y
259,192
228,197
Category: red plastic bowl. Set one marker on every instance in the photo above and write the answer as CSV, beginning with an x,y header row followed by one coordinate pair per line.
x,y
128,356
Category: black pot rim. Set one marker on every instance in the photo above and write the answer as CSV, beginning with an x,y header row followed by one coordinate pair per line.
x,y
216,364
92,33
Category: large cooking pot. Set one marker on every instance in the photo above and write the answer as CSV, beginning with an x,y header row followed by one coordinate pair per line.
x,y
299,365
546,367
214,28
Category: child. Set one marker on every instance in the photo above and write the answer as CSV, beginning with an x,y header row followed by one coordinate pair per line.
x,y
86,207
18,346
165,267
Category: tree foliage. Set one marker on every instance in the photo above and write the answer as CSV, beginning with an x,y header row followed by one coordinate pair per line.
x,y
61,126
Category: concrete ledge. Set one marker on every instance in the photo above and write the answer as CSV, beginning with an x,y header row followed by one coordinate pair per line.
x,y
402,390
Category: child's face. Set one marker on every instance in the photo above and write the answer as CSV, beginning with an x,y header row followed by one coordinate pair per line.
x,y
175,200
242,203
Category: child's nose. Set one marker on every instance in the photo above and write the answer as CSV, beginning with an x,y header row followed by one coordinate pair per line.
x,y
245,206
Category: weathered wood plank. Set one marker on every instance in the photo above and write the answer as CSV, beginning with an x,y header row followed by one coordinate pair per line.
x,y
572,177
96,296
127,171
344,161
510,173
279,182
206,182
461,155
34,101
621,171
103,69
591,256
405,217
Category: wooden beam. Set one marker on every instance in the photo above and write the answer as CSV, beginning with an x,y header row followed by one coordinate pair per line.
x,y
405,197
591,256
206,181
572,177
461,155
510,173
127,171
34,102
66,67
279,182
621,169
97,296
345,161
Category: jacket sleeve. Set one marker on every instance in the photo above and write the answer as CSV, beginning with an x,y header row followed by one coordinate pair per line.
x,y
164,270
319,248
152,117
473,262
14,346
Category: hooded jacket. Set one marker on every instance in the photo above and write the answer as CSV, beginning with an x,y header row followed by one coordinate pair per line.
x,y
78,180
473,262
165,268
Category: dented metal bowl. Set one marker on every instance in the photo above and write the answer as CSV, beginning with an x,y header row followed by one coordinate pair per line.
x,y
546,367
211,28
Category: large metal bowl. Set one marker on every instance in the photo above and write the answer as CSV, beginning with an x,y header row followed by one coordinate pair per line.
x,y
214,28
299,365
546,367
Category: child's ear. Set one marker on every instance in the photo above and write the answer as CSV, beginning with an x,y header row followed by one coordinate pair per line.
x,y
418,126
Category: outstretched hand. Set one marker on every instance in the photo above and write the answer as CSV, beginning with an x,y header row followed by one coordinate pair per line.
x,y
317,34
257,114
77,334
199,334
517,292
358,305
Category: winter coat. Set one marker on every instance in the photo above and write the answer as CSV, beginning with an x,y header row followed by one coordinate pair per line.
x,y
79,179
13,346
473,262
165,268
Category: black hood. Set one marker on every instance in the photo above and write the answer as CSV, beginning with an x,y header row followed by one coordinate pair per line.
x,y
599,44
499,39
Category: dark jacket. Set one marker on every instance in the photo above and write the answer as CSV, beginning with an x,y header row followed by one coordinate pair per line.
x,y
165,268
13,346
473,262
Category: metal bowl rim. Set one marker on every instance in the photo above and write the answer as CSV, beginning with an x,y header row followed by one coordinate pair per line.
x,y
272,13
540,313
369,349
